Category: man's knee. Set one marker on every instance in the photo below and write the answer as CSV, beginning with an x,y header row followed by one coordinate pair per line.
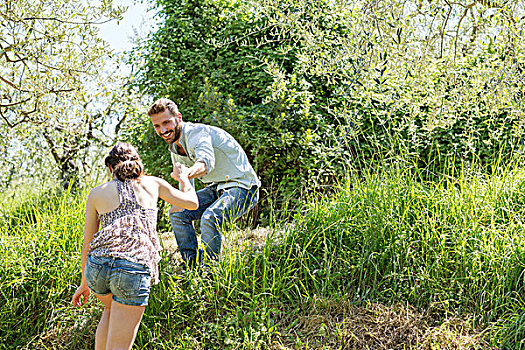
x,y
212,219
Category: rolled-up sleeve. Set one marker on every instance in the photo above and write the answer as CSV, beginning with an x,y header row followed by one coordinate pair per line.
x,y
202,145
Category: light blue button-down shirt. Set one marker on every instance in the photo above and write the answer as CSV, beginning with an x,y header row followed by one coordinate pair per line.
x,y
226,162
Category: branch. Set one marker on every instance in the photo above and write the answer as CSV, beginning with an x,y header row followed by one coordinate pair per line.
x,y
90,136
64,21
25,114
109,109
57,91
467,8
53,19
119,124
36,59
8,59
12,85
46,36
4,52
444,28
14,103
238,40
59,69
475,28
53,148
9,124
23,120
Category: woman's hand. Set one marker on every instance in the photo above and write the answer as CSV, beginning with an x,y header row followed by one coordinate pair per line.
x,y
82,290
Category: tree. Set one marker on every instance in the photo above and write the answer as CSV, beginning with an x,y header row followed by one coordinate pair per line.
x,y
94,122
56,96
229,64
436,78
47,48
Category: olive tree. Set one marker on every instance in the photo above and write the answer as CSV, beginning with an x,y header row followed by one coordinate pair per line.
x,y
58,97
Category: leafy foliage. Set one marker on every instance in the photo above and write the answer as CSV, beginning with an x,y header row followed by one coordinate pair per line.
x,y
229,65
307,87
60,98
47,48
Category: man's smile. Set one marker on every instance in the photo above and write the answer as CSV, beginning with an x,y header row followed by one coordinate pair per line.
x,y
167,134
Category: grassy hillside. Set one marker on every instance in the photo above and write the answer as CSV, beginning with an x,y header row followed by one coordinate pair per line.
x,y
387,261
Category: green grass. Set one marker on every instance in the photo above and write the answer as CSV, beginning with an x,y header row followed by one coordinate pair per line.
x,y
452,248
39,249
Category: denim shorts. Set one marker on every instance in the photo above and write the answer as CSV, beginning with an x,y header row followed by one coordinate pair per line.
x,y
128,281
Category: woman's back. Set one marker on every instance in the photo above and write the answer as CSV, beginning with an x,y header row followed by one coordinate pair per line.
x,y
107,197
127,228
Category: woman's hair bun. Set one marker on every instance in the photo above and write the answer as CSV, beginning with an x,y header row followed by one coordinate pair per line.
x,y
125,162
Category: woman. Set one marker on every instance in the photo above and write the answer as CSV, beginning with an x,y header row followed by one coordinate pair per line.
x,y
119,261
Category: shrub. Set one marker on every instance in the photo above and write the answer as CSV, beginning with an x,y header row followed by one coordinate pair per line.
x,y
311,89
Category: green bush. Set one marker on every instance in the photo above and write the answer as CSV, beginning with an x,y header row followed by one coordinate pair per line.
x,y
247,84
311,89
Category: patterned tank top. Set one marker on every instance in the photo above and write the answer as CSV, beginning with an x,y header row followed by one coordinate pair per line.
x,y
129,232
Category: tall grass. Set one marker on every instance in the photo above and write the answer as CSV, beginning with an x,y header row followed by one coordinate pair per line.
x,y
39,248
452,247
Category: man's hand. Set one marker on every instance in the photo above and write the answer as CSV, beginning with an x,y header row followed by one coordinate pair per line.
x,y
197,170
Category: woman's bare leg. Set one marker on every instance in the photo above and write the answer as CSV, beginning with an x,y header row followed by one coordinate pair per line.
x,y
124,322
103,324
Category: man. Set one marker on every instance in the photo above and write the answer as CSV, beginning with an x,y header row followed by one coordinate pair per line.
x,y
219,161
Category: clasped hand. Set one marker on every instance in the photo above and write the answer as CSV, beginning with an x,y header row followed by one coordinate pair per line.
x,y
180,172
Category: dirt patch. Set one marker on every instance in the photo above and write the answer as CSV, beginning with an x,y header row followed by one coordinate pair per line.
x,y
335,325
237,240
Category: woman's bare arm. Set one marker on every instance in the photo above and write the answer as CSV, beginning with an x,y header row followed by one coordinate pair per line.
x,y
185,198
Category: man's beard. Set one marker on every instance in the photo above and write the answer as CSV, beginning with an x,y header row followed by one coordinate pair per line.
x,y
176,134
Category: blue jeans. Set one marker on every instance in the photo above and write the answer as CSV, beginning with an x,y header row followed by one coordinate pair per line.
x,y
128,281
216,209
